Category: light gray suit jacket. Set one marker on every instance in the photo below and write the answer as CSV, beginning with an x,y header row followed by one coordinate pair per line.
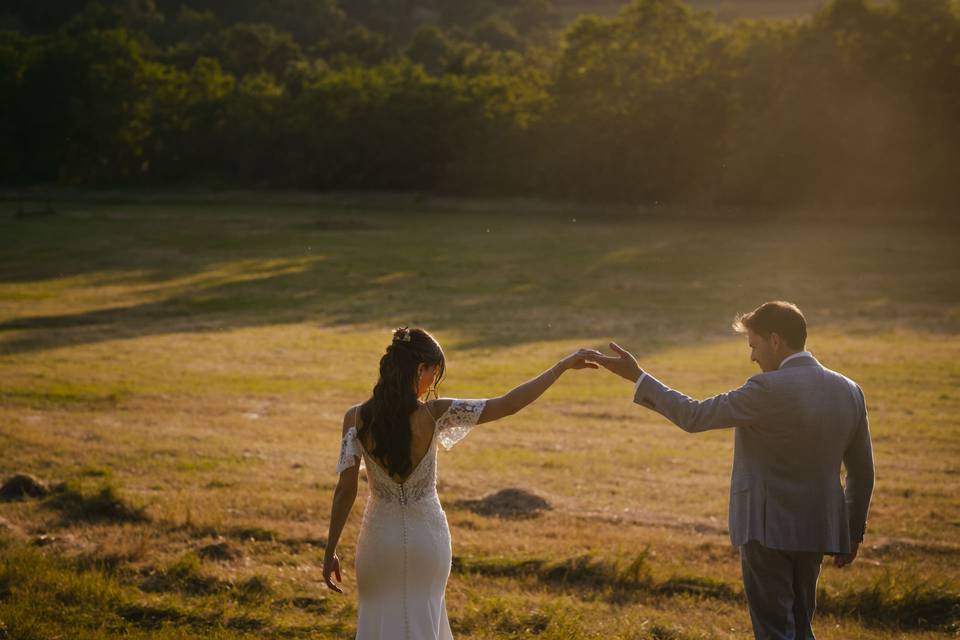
x,y
794,427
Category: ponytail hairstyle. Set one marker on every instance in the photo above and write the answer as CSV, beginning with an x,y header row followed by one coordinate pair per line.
x,y
386,415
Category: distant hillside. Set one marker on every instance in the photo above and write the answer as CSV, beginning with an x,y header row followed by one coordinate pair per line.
x,y
725,9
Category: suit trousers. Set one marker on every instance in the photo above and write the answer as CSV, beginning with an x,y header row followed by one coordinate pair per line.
x,y
781,589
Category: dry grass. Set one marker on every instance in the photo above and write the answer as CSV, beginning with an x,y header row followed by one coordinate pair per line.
x,y
190,364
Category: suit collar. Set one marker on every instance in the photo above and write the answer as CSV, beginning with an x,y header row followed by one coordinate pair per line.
x,y
802,359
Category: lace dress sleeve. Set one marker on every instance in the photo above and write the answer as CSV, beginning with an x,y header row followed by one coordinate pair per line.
x,y
350,452
454,425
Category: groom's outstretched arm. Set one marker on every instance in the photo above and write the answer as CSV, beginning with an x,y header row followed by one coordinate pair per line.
x,y
741,407
737,408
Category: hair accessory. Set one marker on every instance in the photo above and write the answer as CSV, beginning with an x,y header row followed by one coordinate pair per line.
x,y
401,335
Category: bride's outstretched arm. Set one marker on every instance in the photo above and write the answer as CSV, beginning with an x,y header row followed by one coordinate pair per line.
x,y
343,498
522,395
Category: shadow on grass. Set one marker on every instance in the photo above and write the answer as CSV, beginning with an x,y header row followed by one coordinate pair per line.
x,y
497,282
611,579
187,577
61,398
512,618
153,617
493,615
44,595
183,576
887,602
104,504
896,602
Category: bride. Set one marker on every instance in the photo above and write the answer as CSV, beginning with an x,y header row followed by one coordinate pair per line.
x,y
403,550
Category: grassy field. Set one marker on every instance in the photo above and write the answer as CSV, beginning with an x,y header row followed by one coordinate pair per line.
x,y
182,368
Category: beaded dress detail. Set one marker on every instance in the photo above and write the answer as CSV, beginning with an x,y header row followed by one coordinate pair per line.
x,y
403,551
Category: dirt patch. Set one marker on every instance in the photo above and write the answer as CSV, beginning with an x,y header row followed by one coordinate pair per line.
x,y
899,547
507,503
219,551
23,486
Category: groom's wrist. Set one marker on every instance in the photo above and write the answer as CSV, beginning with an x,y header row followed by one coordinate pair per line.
x,y
639,380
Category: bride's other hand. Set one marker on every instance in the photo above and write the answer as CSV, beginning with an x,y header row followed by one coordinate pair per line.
x,y
331,565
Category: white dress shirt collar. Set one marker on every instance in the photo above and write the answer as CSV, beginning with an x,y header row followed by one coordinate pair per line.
x,y
799,354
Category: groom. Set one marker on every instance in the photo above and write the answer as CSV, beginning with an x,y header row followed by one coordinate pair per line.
x,y
795,423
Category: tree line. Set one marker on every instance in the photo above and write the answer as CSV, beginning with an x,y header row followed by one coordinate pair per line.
x,y
858,104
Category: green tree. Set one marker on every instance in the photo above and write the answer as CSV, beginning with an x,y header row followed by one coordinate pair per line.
x,y
309,21
255,48
531,16
640,107
498,33
85,109
190,124
431,48
44,15
14,53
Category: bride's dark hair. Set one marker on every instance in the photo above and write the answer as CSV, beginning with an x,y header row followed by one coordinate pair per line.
x,y
386,415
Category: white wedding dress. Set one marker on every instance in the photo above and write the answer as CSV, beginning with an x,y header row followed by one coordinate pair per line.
x,y
403,551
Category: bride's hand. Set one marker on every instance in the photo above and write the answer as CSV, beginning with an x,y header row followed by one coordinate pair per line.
x,y
623,364
331,565
579,360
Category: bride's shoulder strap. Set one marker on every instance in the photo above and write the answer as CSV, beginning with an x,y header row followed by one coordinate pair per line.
x,y
351,421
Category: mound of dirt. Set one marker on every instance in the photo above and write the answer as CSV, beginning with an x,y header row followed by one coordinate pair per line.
x,y
23,486
219,551
508,503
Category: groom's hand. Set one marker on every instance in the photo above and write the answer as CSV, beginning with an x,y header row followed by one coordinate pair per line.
x,y
623,364
841,560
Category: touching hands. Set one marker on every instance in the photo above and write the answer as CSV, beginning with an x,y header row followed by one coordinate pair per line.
x,y
580,359
623,364
331,565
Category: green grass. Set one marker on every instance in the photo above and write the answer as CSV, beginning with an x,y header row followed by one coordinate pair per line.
x,y
42,597
78,503
891,600
578,572
182,367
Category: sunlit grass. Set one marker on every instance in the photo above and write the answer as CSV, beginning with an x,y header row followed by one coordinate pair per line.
x,y
196,361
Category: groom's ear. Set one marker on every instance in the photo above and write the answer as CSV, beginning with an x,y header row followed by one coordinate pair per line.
x,y
775,341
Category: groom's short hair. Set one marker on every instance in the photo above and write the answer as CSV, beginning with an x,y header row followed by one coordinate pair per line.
x,y
783,318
